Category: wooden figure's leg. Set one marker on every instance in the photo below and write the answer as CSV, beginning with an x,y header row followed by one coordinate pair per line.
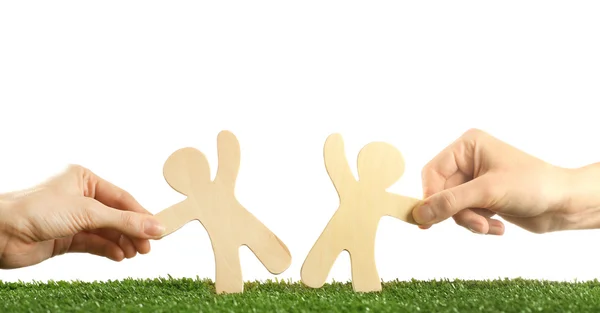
x,y
228,277
267,247
321,258
365,277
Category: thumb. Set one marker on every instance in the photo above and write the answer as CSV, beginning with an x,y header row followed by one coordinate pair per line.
x,y
477,193
132,224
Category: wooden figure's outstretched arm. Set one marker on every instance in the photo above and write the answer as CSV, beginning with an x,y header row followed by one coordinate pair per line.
x,y
176,216
336,162
228,150
400,207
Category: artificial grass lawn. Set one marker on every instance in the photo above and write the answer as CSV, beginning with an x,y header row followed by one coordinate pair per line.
x,y
196,295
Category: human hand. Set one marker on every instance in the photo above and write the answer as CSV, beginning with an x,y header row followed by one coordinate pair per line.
x,y
75,211
479,176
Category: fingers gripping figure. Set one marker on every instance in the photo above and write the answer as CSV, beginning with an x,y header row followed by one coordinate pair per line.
x,y
362,204
213,203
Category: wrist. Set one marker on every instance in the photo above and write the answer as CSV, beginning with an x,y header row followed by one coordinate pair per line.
x,y
7,216
4,207
581,205
4,213
4,233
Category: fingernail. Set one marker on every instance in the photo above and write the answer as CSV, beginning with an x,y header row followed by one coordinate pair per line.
x,y
496,230
473,231
153,228
424,214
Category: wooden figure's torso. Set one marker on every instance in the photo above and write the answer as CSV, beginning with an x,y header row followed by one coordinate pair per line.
x,y
219,212
357,217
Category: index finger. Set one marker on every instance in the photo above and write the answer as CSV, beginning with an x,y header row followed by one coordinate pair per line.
x,y
437,171
115,197
456,158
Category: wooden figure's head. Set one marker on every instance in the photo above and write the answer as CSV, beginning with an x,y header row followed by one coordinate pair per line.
x,y
380,165
186,170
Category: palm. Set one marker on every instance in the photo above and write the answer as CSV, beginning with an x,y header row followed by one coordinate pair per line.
x,y
542,223
22,252
19,253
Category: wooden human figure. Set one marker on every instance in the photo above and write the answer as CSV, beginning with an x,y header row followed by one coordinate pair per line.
x,y
362,204
213,203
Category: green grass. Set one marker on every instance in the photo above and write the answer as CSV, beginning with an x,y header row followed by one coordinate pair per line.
x,y
197,295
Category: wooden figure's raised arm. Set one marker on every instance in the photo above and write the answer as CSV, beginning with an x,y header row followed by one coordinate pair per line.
x,y
228,151
336,162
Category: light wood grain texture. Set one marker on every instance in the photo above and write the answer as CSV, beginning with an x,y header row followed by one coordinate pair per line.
x,y
363,203
213,203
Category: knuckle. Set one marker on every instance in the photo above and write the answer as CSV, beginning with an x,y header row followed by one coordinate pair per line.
x,y
447,203
491,194
127,220
88,217
84,176
76,168
122,195
489,191
60,248
474,133
429,171
426,170
460,221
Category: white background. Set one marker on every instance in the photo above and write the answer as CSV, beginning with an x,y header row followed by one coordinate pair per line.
x,y
117,86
